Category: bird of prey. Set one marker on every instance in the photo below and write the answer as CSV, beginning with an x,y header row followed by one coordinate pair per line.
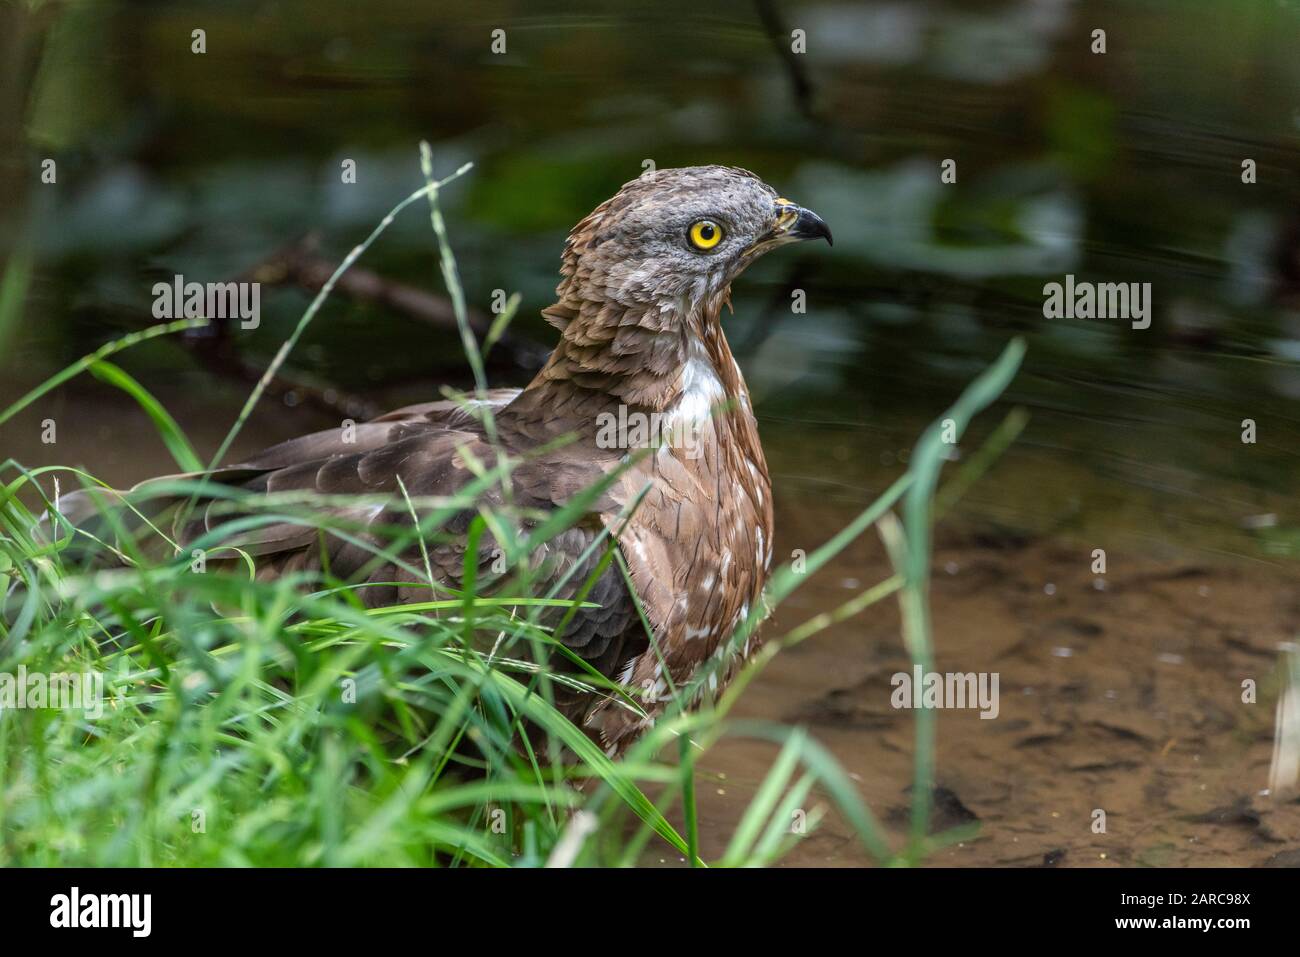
x,y
644,280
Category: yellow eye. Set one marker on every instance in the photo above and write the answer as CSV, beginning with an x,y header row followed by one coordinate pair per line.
x,y
705,234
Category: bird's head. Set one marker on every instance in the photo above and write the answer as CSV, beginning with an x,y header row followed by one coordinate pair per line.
x,y
682,236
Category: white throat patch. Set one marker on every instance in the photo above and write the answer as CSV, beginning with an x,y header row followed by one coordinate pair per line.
x,y
701,389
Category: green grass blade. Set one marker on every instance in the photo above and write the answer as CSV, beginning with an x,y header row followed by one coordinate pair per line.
x,y
168,430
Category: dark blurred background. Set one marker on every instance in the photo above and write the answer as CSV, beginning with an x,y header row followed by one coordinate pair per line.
x,y
1122,166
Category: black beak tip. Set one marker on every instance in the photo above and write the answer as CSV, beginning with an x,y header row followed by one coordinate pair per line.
x,y
811,226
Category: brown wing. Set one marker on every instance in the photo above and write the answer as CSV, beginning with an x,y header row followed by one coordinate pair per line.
x,y
426,450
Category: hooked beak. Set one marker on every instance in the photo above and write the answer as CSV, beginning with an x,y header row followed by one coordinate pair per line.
x,y
795,222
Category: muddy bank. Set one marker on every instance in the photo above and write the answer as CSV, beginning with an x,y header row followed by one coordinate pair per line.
x,y
1120,692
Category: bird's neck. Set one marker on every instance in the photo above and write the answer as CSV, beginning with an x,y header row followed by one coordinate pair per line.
x,y
664,357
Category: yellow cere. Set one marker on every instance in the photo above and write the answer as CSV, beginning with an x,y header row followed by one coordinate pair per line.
x,y
787,212
705,234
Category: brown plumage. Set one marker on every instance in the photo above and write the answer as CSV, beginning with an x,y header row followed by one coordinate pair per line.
x,y
640,337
